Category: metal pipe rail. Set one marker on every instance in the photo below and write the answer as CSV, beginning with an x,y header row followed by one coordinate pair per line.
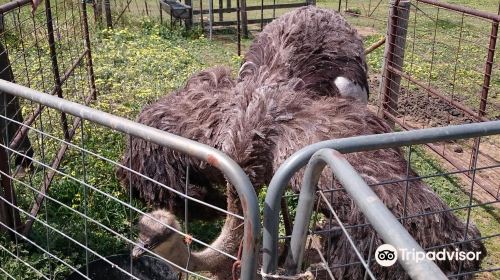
x,y
279,182
214,157
381,218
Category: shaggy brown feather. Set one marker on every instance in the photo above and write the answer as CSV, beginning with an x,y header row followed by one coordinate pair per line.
x,y
312,44
198,112
298,120
270,115
269,123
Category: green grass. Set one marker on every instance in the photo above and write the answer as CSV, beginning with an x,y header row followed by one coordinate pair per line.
x,y
451,189
133,66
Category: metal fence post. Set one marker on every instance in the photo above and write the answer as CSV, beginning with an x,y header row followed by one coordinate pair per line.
x,y
238,25
90,67
488,68
394,56
55,65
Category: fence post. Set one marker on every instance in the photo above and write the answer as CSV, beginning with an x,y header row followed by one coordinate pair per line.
x,y
10,108
189,22
55,65
394,56
97,5
238,27
244,18
488,68
90,67
221,7
107,10
10,215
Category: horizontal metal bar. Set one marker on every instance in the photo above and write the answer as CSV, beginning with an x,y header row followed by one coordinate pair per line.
x,y
234,22
349,145
234,174
481,182
463,9
381,218
13,5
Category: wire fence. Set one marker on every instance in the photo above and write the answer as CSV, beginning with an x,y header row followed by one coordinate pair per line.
x,y
440,69
48,50
87,211
341,243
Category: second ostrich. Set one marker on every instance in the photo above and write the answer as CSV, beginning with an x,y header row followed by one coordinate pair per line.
x,y
157,234
315,45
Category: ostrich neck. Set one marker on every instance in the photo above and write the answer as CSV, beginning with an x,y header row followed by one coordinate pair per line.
x,y
228,241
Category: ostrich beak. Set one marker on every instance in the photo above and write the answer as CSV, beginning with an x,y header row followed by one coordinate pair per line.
x,y
138,250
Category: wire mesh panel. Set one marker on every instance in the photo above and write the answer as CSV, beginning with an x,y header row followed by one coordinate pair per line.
x,y
365,15
338,242
440,69
62,204
87,215
47,49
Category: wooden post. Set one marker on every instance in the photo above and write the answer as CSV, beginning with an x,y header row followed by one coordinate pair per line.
x,y
10,215
221,6
394,57
189,22
107,10
244,18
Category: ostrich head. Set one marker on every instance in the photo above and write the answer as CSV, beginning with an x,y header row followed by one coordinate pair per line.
x,y
157,233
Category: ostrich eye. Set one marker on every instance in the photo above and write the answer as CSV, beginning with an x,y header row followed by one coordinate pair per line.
x,y
151,243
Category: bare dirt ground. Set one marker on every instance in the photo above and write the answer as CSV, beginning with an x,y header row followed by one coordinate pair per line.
x,y
419,110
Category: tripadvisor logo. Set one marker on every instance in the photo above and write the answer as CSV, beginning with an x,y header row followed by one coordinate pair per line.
x,y
387,255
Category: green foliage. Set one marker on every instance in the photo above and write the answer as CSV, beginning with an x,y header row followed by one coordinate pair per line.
x,y
375,59
454,193
133,66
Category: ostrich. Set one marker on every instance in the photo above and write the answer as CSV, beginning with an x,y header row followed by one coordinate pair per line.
x,y
286,119
315,45
199,112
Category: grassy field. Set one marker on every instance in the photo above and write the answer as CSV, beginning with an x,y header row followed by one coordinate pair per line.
x,y
133,66
138,62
